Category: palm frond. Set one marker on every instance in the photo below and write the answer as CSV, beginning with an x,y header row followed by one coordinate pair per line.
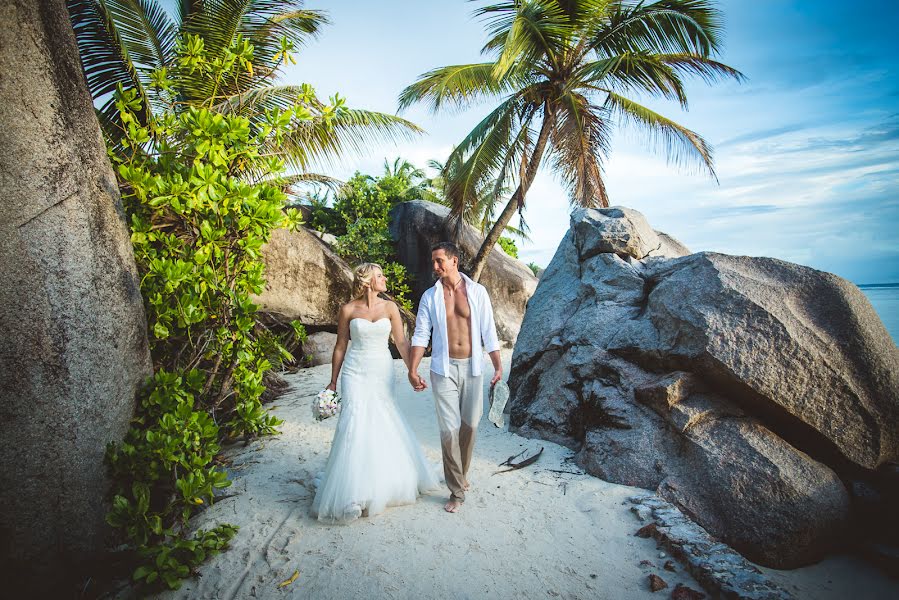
x,y
105,59
680,145
579,139
710,71
256,101
458,86
480,155
631,72
146,29
265,29
404,169
288,183
667,26
524,32
315,143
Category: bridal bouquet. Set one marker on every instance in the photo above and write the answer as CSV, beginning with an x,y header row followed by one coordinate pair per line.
x,y
326,404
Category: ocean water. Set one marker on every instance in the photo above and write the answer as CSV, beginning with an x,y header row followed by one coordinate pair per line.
x,y
884,298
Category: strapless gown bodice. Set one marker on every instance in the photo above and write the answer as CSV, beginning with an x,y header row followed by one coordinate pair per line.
x,y
369,337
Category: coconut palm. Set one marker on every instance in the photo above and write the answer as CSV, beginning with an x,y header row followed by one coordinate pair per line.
x,y
561,69
481,213
135,43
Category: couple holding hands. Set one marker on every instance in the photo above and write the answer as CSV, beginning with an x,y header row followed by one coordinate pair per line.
x,y
375,459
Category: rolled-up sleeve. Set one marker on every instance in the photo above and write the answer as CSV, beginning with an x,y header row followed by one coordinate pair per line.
x,y
422,334
488,325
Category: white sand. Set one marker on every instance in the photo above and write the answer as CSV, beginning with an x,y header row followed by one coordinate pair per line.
x,y
530,533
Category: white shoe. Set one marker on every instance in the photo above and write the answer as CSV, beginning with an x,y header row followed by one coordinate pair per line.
x,y
499,395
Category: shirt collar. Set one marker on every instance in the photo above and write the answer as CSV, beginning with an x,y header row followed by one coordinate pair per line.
x,y
439,285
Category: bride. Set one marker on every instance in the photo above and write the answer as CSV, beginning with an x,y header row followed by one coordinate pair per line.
x,y
375,459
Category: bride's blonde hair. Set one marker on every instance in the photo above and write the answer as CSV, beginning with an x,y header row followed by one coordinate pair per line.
x,y
362,275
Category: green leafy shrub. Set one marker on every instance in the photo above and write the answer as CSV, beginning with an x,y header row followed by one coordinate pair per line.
x,y
359,218
202,198
534,267
322,217
508,246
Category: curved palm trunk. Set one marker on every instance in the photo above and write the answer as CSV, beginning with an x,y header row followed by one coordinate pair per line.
x,y
480,260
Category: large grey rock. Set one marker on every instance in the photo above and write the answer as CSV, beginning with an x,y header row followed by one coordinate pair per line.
x,y
791,507
622,231
304,279
789,376
416,226
803,347
319,347
74,348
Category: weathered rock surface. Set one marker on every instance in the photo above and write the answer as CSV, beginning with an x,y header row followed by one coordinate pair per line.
x,y
319,347
305,279
727,383
74,345
720,570
416,226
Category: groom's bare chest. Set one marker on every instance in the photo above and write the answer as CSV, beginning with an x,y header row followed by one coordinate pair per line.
x,y
457,305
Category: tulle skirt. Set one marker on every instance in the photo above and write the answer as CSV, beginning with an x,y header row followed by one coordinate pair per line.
x,y
375,459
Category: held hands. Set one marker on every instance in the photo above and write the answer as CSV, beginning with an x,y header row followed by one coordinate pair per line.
x,y
332,386
497,375
417,381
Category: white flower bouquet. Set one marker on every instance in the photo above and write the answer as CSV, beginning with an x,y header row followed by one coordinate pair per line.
x,y
325,405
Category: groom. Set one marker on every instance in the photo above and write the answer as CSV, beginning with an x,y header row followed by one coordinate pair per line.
x,y
459,315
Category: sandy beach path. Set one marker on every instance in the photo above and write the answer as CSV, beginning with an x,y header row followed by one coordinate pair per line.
x,y
532,533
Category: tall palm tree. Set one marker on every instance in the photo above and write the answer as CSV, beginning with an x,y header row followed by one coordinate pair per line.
x,y
561,69
131,42
481,213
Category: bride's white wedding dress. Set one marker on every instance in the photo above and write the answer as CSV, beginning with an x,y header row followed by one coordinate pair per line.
x,y
375,459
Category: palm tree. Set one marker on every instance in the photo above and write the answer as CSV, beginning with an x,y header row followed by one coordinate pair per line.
x,y
134,43
561,69
480,214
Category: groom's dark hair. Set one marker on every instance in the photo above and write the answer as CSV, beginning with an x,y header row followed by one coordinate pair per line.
x,y
449,248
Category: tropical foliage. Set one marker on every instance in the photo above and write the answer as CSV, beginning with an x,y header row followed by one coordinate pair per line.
x,y
139,45
508,246
563,71
480,214
359,218
197,227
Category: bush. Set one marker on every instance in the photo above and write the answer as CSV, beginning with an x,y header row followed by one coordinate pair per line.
x,y
362,208
194,188
534,267
508,246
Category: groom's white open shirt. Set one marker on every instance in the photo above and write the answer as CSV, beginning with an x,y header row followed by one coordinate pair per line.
x,y
432,310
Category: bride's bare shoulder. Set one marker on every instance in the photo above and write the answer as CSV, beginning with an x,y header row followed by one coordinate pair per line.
x,y
348,309
391,308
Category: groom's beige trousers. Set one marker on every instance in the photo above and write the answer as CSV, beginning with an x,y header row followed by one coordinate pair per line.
x,y
459,398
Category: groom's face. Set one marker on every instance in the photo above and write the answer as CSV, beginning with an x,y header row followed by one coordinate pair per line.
x,y
444,265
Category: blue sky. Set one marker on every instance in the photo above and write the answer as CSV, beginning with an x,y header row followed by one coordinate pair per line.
x,y
807,150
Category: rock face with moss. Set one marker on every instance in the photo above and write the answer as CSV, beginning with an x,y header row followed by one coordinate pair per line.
x,y
416,226
740,388
74,348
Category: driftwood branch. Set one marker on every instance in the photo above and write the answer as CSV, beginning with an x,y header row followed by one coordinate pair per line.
x,y
520,465
509,460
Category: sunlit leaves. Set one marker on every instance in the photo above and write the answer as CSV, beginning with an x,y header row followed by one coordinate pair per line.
x,y
197,228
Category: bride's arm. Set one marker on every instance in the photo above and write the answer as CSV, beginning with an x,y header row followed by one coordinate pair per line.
x,y
343,338
399,333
